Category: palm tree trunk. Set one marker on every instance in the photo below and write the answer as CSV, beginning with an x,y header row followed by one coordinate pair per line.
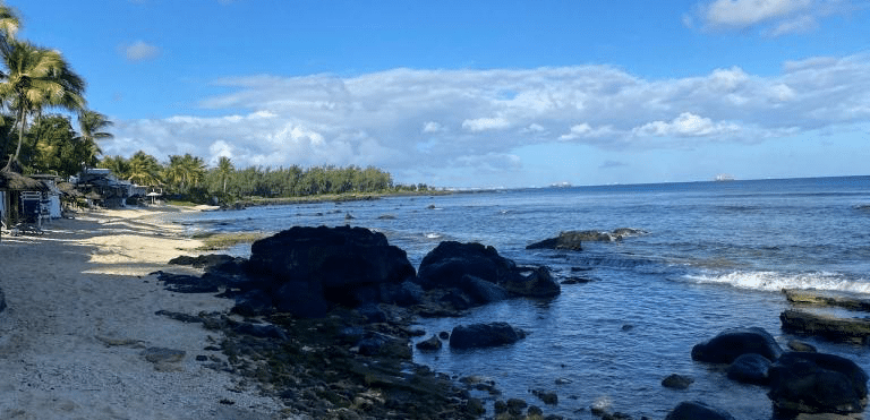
x,y
20,133
20,140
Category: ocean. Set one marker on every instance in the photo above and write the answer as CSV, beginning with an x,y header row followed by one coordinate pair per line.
x,y
715,255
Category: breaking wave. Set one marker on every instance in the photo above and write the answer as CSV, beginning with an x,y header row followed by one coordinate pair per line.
x,y
773,281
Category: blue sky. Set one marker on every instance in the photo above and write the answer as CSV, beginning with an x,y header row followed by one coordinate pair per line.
x,y
483,93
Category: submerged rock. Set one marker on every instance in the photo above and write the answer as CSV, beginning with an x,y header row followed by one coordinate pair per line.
x,y
696,410
484,335
572,240
547,397
732,343
431,344
817,383
677,381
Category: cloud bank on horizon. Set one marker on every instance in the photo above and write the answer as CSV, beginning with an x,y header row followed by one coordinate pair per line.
x,y
423,120
510,126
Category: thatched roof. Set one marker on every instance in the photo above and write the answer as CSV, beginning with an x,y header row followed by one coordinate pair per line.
x,y
69,189
15,181
93,195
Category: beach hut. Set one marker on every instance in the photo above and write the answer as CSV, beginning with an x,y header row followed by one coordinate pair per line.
x,y
51,195
14,186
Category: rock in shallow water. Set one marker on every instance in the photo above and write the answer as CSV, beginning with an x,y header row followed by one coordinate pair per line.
x,y
732,343
677,381
484,335
750,368
696,410
817,383
848,330
431,344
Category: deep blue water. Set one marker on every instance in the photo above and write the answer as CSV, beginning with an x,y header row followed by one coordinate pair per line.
x,y
715,256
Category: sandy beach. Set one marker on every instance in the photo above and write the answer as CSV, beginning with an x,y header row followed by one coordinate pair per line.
x,y
80,327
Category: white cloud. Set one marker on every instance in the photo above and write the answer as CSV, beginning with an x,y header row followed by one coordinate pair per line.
x,y
141,51
484,124
392,118
743,13
772,17
686,124
585,130
433,127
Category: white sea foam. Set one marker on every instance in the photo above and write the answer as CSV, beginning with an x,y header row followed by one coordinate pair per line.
x,y
433,235
773,281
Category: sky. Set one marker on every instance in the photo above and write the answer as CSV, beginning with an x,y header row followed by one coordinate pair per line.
x,y
479,93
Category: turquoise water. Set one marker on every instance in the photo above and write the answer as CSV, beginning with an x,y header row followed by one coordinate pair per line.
x,y
715,256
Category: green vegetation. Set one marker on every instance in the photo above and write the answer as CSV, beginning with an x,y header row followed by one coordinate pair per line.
x,y
219,241
34,79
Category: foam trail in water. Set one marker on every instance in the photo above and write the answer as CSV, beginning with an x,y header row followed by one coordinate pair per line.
x,y
773,281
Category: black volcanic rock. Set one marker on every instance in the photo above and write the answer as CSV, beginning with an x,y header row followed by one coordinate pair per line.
x,y
484,335
732,343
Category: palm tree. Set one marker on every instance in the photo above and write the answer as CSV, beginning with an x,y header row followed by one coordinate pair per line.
x,y
9,24
225,169
118,165
185,171
144,169
38,78
90,124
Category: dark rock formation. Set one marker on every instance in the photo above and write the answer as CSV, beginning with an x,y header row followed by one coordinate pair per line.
x,y
677,381
548,397
696,410
817,383
202,260
482,291
848,330
450,261
481,275
572,240
750,368
566,240
577,280
537,283
431,344
484,335
306,269
183,283
253,303
732,343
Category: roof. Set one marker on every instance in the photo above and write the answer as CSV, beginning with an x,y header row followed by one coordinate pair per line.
x,y
15,181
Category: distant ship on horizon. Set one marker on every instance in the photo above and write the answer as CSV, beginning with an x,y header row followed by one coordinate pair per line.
x,y
724,177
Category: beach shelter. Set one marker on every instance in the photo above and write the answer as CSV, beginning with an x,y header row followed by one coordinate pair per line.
x,y
13,184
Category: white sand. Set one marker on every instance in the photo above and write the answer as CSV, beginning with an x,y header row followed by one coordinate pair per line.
x,y
81,311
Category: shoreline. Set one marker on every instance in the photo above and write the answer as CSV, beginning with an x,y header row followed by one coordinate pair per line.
x,y
80,338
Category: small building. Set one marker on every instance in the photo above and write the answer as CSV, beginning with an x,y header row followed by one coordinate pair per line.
x,y
20,198
51,196
102,188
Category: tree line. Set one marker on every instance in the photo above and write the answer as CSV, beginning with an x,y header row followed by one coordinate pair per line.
x,y
189,177
34,79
